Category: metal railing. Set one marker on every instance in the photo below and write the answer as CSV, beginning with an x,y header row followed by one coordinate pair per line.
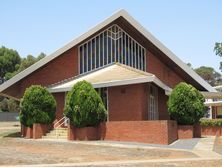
x,y
63,121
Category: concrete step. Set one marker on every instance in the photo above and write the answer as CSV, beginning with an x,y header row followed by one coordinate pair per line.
x,y
54,137
59,133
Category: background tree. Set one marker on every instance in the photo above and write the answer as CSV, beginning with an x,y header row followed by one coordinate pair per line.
x,y
25,63
9,61
210,75
218,51
11,64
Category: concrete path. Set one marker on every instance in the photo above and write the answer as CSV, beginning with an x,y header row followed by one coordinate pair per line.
x,y
204,148
103,163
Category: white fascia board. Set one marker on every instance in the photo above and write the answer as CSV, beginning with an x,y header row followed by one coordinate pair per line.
x,y
119,83
57,53
213,103
109,84
167,52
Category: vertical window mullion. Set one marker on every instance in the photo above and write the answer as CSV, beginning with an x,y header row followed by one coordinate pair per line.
x,y
122,49
135,53
125,49
79,61
144,51
83,58
132,53
91,54
87,57
142,67
119,51
115,43
128,50
99,48
107,48
95,53
111,49
138,60
103,48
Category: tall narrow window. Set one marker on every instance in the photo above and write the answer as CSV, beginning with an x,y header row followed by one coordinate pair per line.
x,y
153,103
104,95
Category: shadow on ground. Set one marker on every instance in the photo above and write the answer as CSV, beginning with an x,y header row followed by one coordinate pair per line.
x,y
13,135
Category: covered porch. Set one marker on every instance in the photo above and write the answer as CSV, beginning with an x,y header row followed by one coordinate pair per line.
x,y
128,94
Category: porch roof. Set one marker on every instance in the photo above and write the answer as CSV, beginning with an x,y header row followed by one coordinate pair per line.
x,y
112,75
212,95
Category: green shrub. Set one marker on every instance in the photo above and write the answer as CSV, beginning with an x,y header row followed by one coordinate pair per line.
x,y
84,107
186,104
37,106
211,122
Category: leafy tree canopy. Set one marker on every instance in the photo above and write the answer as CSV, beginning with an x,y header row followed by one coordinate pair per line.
x,y
186,104
218,51
25,63
9,61
210,75
37,106
84,107
11,64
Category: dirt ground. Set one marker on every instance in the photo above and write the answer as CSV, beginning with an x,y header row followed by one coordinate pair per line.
x,y
18,151
25,151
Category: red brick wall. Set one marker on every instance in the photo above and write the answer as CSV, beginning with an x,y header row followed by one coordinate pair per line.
x,y
161,70
40,130
157,132
127,102
86,133
60,100
211,131
62,67
162,105
26,132
185,131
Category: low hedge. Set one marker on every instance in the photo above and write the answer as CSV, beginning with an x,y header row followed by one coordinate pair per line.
x,y
211,122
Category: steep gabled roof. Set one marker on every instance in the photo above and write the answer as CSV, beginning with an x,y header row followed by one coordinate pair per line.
x,y
115,74
136,25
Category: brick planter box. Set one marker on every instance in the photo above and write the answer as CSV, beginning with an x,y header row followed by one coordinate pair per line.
x,y
157,132
185,131
211,130
26,132
87,133
40,130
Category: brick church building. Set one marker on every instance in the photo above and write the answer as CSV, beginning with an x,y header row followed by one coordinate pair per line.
x,y
132,71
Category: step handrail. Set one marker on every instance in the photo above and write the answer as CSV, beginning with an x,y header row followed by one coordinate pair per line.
x,y
63,121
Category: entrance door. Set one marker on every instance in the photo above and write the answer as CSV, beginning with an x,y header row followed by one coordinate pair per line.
x,y
153,103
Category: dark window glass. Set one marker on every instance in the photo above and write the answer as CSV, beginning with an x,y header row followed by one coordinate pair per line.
x,y
85,58
89,56
93,54
109,50
101,49
97,52
81,60
105,48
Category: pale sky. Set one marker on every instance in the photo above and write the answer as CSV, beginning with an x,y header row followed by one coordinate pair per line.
x,y
189,28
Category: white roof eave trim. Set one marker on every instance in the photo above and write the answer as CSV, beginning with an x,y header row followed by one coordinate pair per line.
x,y
132,21
119,83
